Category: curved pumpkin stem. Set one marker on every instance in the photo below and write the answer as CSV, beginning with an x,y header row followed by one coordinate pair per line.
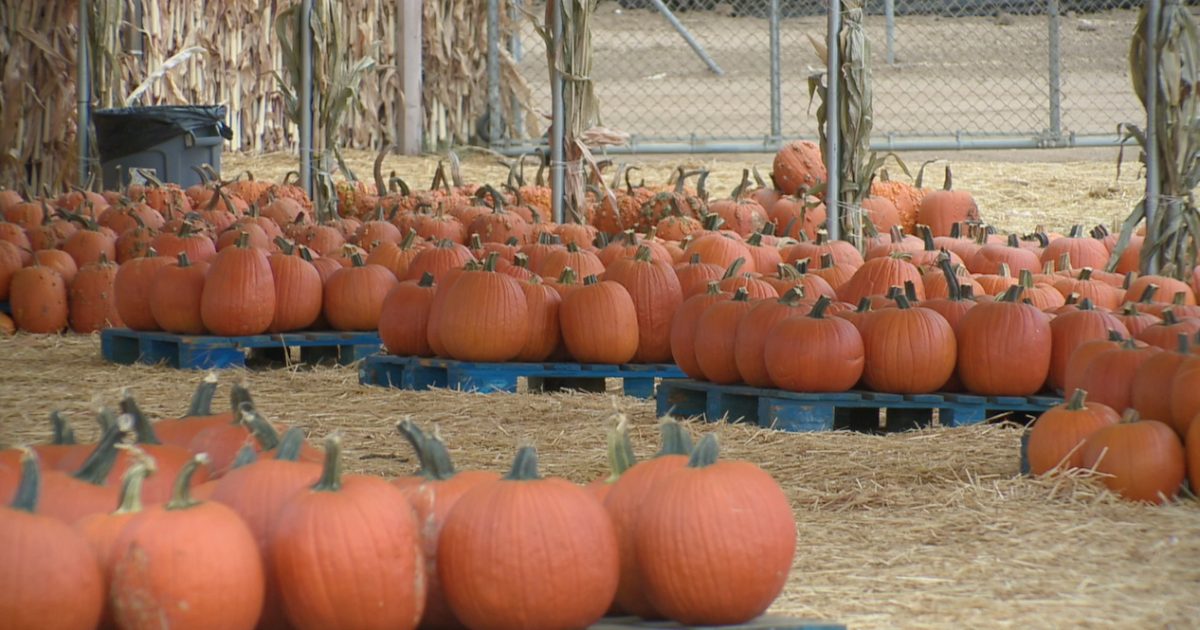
x,y
30,485
620,451
102,459
246,455
675,439
431,451
705,453
734,268
331,471
1077,400
181,495
63,433
525,465
130,500
792,296
141,424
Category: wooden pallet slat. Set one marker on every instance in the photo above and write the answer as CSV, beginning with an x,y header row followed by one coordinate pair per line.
x,y
424,373
856,410
205,352
765,622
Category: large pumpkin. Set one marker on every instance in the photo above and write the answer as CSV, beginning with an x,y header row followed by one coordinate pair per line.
x,y
92,299
1109,375
815,353
697,575
797,164
354,295
1004,347
683,328
239,293
1056,440
50,578
545,328
485,316
496,527
298,290
175,295
751,338
908,350
716,337
438,487
347,553
404,318
624,503
656,294
223,586
1142,460
39,299
1069,330
599,322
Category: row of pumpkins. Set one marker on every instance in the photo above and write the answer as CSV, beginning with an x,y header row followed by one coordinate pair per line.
x,y
267,532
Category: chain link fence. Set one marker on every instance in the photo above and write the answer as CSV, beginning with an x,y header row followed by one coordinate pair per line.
x,y
947,73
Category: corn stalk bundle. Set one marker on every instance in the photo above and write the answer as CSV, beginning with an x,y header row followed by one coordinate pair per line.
x,y
1176,224
37,92
857,164
455,78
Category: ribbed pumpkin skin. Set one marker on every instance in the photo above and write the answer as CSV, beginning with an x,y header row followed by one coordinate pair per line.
x,y
354,296
545,331
132,286
1004,349
298,293
1061,430
908,350
431,501
258,492
599,323
1193,453
434,332
656,295
1079,361
10,263
192,568
941,209
239,293
493,531
584,263
1145,460
720,250
695,573
1083,252
438,260
1108,377
716,336
811,354
93,300
1185,395
404,319
1069,330
623,503
50,579
1153,389
876,276
175,298
38,299
750,342
485,318
683,331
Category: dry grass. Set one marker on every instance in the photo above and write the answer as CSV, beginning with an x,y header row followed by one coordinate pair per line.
x,y
929,529
1015,196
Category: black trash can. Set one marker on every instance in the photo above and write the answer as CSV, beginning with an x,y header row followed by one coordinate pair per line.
x,y
168,139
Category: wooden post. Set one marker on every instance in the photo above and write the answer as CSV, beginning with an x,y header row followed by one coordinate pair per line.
x,y
410,62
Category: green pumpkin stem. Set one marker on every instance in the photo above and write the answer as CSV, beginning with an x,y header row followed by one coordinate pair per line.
x,y
426,280
1184,346
101,460
239,397
181,494
953,286
245,456
590,280
823,302
620,450
675,439
902,302
525,465
265,433
243,240
741,295
1077,400
201,404
705,453
30,485
290,445
1148,294
734,268
356,259
142,429
568,276
1180,298
1013,294
1168,317
431,451
63,433
130,499
792,296
643,253
331,471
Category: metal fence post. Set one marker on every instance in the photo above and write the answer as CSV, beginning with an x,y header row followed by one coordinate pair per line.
x,y
889,17
494,129
306,101
833,123
83,95
558,119
1153,13
776,75
514,48
1054,74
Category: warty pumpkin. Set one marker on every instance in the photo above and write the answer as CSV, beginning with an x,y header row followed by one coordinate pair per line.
x,y
799,163
38,298
696,575
495,527
50,578
92,298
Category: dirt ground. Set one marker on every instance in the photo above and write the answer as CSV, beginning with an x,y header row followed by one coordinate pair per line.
x,y
927,529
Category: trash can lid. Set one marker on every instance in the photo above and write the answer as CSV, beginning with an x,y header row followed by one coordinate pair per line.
x,y
128,130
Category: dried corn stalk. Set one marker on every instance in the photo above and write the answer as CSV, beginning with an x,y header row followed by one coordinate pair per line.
x,y
1171,238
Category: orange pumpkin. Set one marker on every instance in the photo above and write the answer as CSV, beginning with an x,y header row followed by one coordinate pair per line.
x,y
815,353
175,295
404,318
907,350
239,293
941,209
599,322
1004,347
1109,375
1069,330
132,286
38,299
1143,460
656,294
1057,437
545,329
92,298
354,295
485,316
751,337
798,164
716,336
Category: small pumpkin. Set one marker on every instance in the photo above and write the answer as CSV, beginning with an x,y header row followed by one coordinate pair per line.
x,y
1057,437
353,296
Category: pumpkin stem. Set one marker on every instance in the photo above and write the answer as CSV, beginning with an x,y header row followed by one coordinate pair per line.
x,y
827,261
1180,298
1025,279
489,263
705,453
30,485
910,291
246,455
1085,274
675,438
201,404
741,295
733,269
1086,305
620,450
1077,400
1148,294
568,276
264,432
1168,317
426,280
823,302
1184,344
331,471
243,240
239,397
102,458
902,302
181,494
713,288
130,500
141,424
63,433
432,454
1130,416
792,296
1013,294
953,287
927,237
643,253
525,465
590,280
1113,335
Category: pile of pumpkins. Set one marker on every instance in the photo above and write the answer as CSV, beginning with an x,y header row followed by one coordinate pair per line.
x,y
278,536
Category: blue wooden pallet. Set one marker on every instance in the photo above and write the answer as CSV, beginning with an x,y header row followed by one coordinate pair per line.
x,y
205,352
424,373
765,622
857,410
